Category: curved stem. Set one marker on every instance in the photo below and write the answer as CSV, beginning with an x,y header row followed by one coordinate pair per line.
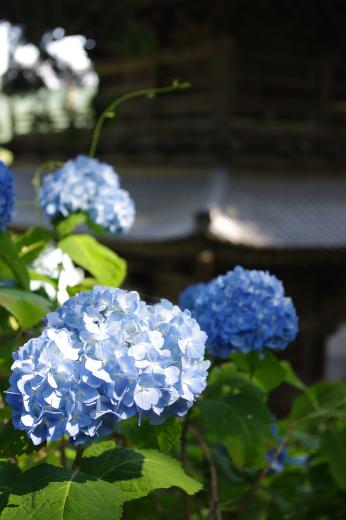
x,y
112,109
253,492
36,180
214,496
183,457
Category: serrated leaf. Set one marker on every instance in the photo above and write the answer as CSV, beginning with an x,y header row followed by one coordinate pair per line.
x,y
114,464
9,255
243,421
27,308
14,442
168,434
105,265
139,472
32,242
47,491
66,226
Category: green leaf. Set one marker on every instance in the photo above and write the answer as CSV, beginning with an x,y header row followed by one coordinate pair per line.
x,y
168,434
322,398
243,421
9,473
225,380
334,446
114,464
47,491
26,307
5,272
66,226
42,278
30,244
139,436
14,442
97,448
105,265
138,472
268,370
291,377
270,374
9,255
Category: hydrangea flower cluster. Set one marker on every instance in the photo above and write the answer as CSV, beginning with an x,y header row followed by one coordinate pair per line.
x,y
105,356
58,266
7,196
89,186
242,310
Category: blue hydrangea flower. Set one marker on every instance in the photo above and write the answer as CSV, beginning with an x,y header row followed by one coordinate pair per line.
x,y
90,186
279,462
242,310
279,458
105,356
7,196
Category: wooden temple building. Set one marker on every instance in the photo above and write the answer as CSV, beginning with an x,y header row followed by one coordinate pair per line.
x,y
247,167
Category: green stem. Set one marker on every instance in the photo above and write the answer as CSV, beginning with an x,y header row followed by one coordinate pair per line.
x,y
112,109
36,180
253,492
213,491
78,457
183,457
62,447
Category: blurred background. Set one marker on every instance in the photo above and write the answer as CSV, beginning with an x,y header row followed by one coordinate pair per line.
x,y
246,167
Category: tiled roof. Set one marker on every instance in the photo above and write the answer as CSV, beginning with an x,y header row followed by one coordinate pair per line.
x,y
300,210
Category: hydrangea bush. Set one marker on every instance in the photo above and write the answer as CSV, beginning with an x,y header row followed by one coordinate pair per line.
x,y
107,401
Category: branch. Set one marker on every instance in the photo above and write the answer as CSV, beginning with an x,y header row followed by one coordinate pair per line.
x,y
78,458
253,492
183,457
62,447
214,497
112,110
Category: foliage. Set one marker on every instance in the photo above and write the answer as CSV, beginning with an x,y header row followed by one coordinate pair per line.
x,y
225,457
